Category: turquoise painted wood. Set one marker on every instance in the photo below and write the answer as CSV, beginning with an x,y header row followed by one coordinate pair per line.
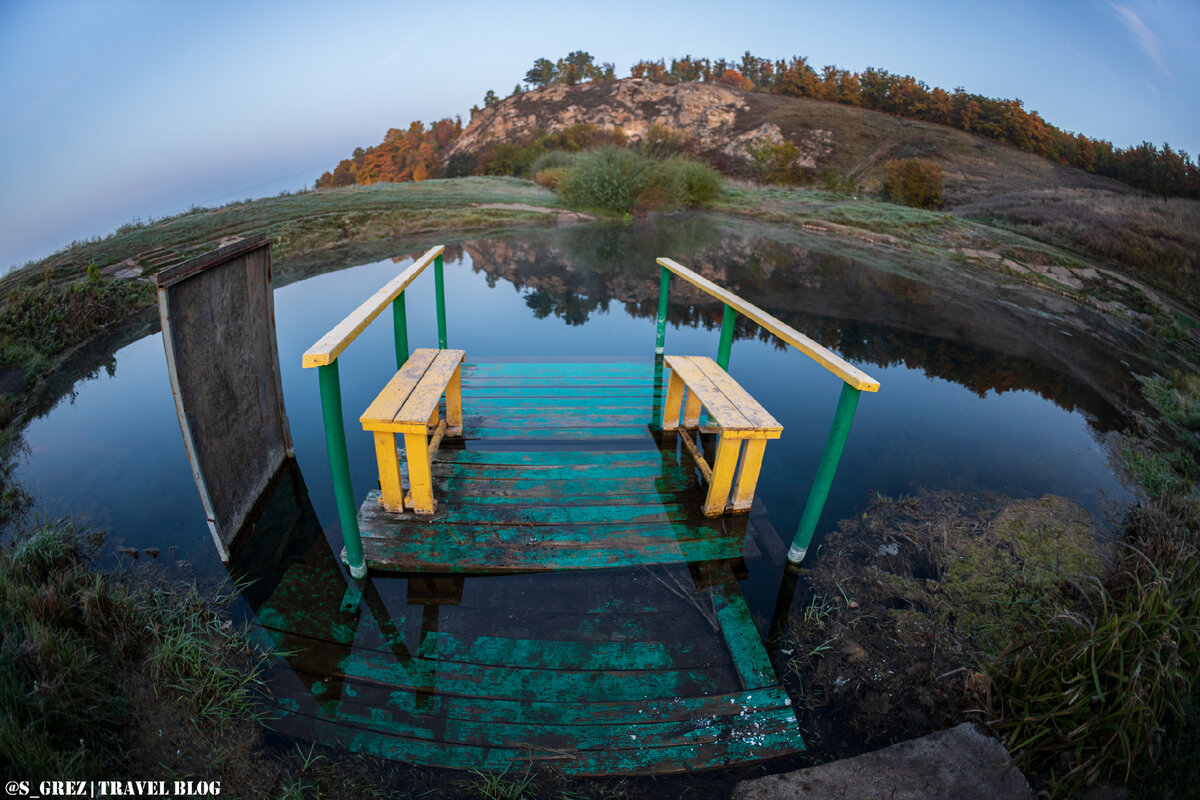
x,y
626,678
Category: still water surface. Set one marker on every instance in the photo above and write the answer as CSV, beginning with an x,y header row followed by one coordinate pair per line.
x,y
985,388
977,394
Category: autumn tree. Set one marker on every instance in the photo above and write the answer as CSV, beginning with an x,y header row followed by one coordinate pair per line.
x,y
648,69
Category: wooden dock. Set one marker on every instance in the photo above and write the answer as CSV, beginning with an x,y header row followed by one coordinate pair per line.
x,y
642,671
555,587
564,470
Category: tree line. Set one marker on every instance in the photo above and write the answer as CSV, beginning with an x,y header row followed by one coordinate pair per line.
x,y
1162,170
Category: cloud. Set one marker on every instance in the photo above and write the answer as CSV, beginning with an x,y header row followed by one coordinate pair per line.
x,y
1144,36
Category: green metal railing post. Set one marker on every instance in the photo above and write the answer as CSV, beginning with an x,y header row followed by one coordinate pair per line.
x,y
664,288
400,329
842,418
656,411
339,466
728,318
439,283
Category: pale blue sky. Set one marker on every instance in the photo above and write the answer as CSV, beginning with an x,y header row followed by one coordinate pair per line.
x,y
111,110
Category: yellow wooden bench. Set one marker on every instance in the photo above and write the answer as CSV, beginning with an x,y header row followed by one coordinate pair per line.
x,y
409,405
737,415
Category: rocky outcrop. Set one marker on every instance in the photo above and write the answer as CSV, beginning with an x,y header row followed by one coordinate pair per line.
x,y
721,120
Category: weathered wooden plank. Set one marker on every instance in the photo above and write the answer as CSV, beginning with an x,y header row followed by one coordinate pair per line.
x,y
544,369
423,400
542,459
750,408
558,420
827,359
497,516
568,491
727,415
551,473
750,745
331,345
597,431
551,383
598,392
387,403
567,685
741,637
393,718
597,712
531,552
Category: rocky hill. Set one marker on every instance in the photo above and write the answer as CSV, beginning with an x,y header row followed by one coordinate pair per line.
x,y
842,141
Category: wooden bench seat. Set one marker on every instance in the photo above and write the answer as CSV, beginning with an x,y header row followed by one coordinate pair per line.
x,y
738,416
409,405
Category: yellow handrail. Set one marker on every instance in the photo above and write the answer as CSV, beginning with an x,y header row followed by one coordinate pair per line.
x,y
331,345
849,373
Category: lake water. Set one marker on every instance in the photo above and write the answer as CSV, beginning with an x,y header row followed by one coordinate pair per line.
x,y
984,388
978,393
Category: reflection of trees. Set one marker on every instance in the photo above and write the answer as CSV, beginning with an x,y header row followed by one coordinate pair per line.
x,y
871,314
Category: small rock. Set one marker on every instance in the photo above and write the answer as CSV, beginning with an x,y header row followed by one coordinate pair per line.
x,y
151,551
128,551
853,604
852,650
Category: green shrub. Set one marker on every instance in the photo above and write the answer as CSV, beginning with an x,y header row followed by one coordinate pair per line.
x,y
607,178
623,180
695,183
913,182
552,159
461,165
777,162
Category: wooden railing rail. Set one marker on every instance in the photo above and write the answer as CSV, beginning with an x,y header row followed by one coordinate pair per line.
x,y
324,356
827,359
854,382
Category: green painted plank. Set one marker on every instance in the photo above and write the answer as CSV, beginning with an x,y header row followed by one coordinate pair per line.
x,y
749,747
600,392
690,520
596,712
741,637
561,368
544,458
565,685
583,432
551,417
549,475
392,719
554,384
582,481
501,504
490,403
539,553
542,654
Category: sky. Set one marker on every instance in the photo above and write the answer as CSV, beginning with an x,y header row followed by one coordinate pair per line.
x,y
117,110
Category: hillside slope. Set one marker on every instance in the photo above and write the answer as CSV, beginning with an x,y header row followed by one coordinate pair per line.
x,y
1156,238
848,141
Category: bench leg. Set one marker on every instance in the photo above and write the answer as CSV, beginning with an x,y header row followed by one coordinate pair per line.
x,y
672,403
391,493
722,480
691,411
743,495
420,479
454,420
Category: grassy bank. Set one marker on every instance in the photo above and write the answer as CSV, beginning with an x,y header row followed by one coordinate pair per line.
x,y
1082,655
115,671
